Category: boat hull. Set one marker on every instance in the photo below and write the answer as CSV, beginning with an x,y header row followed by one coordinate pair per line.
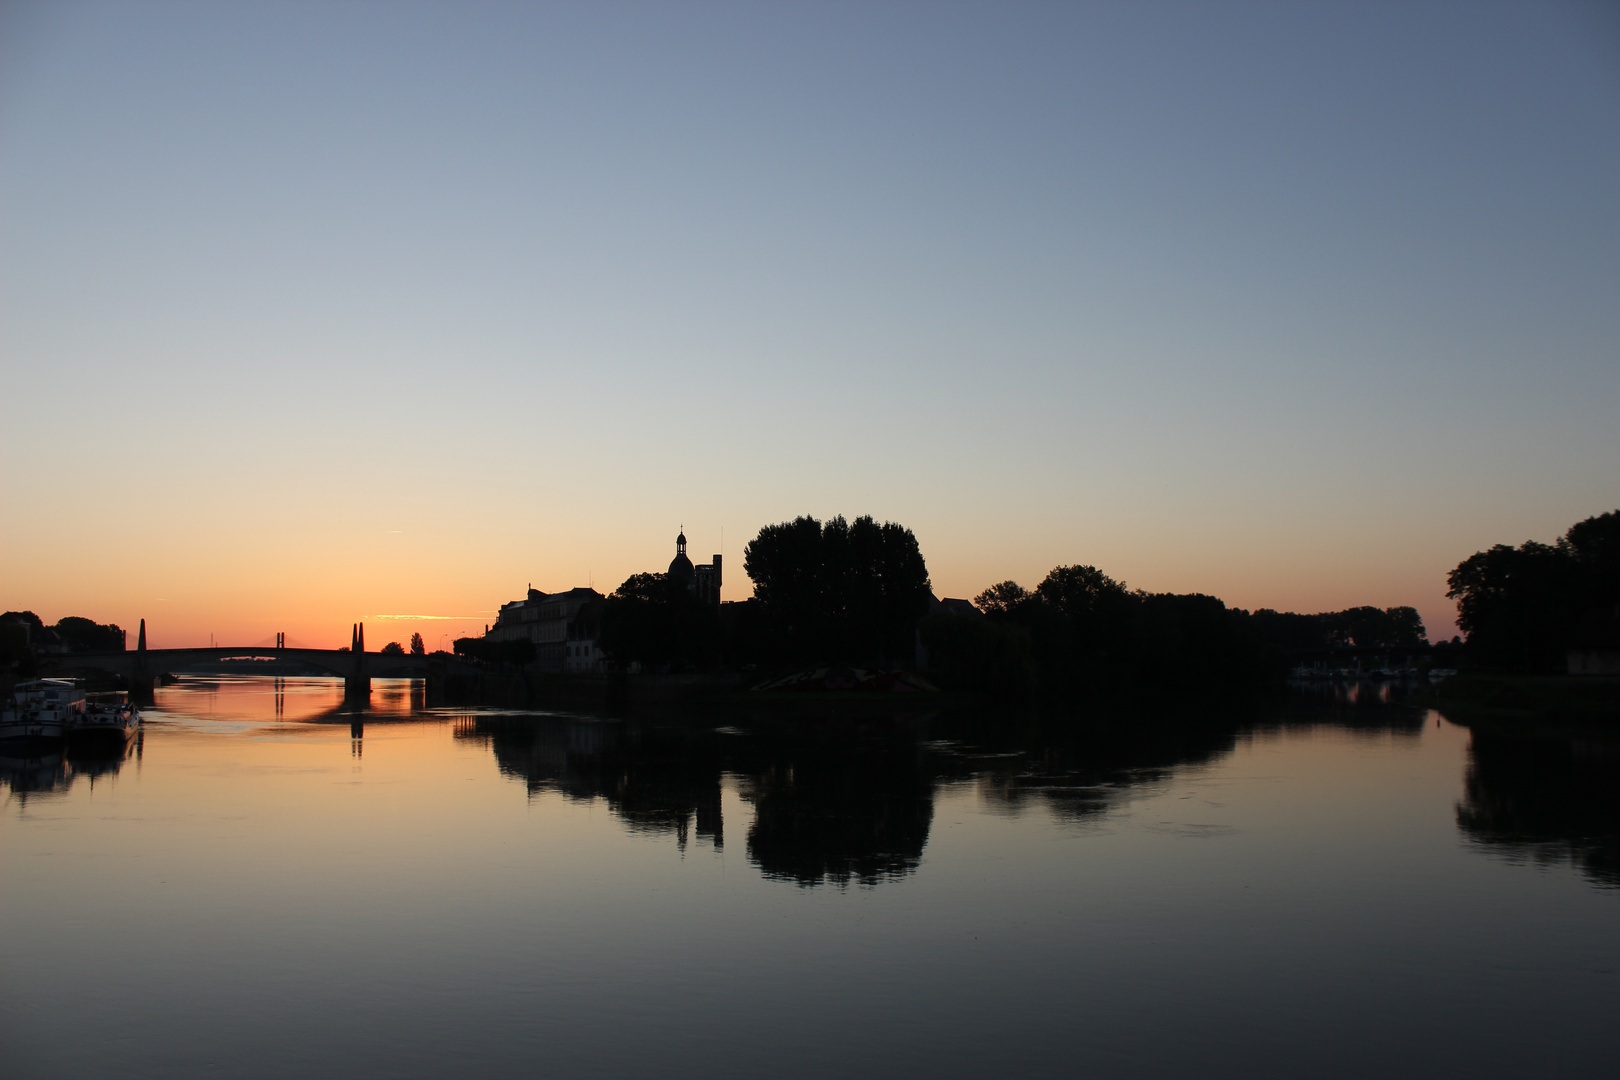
x,y
108,730
29,730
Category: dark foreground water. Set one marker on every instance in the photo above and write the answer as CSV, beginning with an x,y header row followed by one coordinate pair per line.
x,y
260,888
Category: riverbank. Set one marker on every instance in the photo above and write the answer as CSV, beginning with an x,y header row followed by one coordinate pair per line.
x,y
1541,698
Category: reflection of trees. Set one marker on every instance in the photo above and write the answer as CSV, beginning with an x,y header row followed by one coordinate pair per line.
x,y
856,808
1080,769
835,800
1549,800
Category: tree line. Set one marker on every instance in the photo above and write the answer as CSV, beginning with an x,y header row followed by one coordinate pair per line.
x,y
24,634
841,592
1080,631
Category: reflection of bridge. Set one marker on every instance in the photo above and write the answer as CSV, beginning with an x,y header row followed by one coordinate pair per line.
x,y
356,667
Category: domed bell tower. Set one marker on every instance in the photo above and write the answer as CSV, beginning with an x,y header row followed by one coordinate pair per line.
x,y
680,567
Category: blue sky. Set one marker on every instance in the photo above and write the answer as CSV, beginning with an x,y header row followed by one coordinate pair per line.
x,y
368,308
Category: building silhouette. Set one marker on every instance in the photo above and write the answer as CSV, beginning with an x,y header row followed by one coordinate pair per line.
x,y
702,581
562,626
565,627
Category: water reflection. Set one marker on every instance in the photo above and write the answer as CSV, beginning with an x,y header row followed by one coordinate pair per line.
x,y
835,801
1546,799
849,806
832,804
851,801
657,779
49,770
1082,771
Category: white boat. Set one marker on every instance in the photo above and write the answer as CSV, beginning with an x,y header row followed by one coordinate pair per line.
x,y
41,709
106,718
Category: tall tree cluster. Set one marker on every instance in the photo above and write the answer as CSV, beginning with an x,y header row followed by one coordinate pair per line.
x,y
74,633
838,591
1523,608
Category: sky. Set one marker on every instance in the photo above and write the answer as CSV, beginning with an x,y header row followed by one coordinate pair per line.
x,y
315,313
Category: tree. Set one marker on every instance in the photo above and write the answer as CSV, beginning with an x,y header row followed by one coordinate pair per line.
x,y
418,648
83,635
985,656
1083,593
516,653
1523,608
655,620
1085,632
1594,546
26,618
393,648
1377,628
842,592
1001,599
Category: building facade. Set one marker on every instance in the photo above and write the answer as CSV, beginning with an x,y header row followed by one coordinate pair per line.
x,y
562,627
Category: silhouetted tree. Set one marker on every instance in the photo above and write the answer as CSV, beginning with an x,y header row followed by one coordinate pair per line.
x,y
25,618
82,635
515,653
1365,627
995,658
1373,628
393,648
21,634
1523,608
655,620
418,648
845,592
1001,599
1086,632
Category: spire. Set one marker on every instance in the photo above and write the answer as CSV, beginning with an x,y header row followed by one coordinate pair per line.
x,y
140,642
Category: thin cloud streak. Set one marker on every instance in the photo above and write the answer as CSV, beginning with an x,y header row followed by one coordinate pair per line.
x,y
421,618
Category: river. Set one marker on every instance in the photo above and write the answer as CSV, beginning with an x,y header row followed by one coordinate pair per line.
x,y
264,885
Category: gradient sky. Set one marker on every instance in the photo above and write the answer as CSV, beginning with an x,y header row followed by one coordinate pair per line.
x,y
319,312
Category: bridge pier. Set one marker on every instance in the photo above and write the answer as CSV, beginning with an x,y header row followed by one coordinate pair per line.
x,y
357,684
140,674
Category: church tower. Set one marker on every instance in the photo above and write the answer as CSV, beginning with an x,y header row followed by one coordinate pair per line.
x,y
680,567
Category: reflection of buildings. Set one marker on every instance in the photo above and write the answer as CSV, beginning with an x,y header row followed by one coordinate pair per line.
x,y
562,627
1550,800
657,780
35,773
45,773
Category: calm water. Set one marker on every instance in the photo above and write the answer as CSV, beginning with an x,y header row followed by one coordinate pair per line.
x,y
262,888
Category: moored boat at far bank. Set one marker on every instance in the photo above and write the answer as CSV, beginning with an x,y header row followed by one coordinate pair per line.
x,y
41,709
106,719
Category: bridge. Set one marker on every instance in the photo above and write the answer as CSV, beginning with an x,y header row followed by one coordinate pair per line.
x,y
142,667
